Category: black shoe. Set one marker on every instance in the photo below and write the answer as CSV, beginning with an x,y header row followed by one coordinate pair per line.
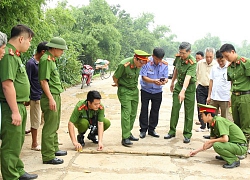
x,y
54,161
206,136
80,139
27,176
132,138
153,133
234,164
61,153
219,158
142,134
186,140
169,136
93,138
127,142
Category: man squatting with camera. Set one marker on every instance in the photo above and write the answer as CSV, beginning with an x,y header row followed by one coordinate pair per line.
x,y
88,114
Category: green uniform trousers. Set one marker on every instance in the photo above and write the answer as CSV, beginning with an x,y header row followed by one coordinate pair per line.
x,y
241,113
188,108
50,127
229,151
12,141
129,103
83,124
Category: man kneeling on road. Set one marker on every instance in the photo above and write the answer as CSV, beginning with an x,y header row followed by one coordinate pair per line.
x,y
226,137
88,113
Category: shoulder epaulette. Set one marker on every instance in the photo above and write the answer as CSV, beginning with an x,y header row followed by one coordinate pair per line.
x,y
50,58
177,55
191,61
126,64
11,52
83,107
101,107
164,62
243,59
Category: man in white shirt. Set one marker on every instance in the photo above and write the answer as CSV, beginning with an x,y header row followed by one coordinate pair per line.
x,y
204,67
219,87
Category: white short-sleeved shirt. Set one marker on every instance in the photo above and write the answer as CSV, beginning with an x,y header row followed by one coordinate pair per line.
x,y
221,87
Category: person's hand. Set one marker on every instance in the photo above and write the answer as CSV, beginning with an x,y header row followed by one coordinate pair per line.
x,y
27,103
207,145
78,146
208,100
100,146
157,82
172,87
229,103
16,119
114,85
52,104
181,96
193,153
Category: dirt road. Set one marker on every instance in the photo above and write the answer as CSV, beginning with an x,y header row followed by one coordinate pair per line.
x,y
126,166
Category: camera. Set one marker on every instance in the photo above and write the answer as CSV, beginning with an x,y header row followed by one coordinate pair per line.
x,y
93,130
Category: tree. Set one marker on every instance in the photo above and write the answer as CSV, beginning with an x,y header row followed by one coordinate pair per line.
x,y
207,41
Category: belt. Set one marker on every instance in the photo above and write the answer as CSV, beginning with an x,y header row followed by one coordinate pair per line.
x,y
130,88
16,102
238,93
204,86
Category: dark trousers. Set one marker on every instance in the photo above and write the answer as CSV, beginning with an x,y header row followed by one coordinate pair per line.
x,y
201,97
149,123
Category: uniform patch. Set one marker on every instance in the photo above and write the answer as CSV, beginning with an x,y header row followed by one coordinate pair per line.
x,y
18,53
126,64
243,59
50,58
83,107
11,52
191,62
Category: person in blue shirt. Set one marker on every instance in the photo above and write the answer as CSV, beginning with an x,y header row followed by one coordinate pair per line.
x,y
153,75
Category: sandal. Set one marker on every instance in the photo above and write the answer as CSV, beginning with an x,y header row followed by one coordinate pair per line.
x,y
38,148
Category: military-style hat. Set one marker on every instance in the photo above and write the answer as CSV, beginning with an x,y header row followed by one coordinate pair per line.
x,y
57,42
206,108
142,55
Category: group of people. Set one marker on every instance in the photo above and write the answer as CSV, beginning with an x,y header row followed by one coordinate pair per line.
x,y
207,79
38,82
39,86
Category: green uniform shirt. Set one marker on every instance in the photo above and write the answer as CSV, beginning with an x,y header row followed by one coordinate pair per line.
x,y
184,67
127,73
239,74
12,68
81,109
49,71
221,126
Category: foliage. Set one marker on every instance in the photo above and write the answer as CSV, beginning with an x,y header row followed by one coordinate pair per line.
x,y
68,66
95,31
207,41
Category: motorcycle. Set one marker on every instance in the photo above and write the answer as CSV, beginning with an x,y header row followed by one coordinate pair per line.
x,y
87,73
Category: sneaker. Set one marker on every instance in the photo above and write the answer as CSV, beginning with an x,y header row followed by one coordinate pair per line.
x,y
201,130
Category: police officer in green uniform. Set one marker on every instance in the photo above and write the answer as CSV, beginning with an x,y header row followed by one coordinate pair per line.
x,y
126,78
88,113
238,72
226,138
14,92
51,100
183,90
